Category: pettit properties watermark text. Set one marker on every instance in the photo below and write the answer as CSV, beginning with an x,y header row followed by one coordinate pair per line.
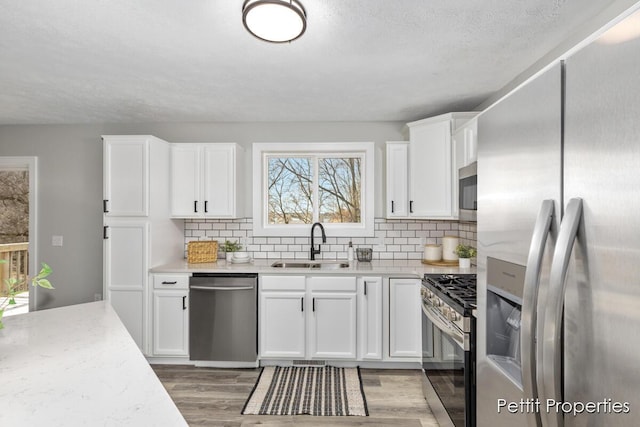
x,y
527,406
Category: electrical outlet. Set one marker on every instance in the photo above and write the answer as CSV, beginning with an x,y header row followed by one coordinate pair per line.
x,y
97,297
56,240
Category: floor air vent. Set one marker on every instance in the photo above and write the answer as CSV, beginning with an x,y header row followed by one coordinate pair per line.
x,y
309,362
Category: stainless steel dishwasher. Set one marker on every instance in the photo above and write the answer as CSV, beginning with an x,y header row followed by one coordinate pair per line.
x,y
223,322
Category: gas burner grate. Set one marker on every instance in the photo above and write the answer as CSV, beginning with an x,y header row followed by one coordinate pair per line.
x,y
460,288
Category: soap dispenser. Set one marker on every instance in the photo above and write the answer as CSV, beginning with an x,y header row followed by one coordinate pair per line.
x,y
350,252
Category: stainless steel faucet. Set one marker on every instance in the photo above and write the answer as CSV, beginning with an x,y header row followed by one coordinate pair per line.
x,y
314,251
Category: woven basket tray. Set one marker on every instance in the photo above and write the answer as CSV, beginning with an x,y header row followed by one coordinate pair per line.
x,y
206,251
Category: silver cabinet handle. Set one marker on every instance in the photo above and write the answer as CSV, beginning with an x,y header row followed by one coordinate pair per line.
x,y
221,288
551,346
530,304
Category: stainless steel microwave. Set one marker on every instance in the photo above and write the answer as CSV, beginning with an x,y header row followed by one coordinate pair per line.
x,y
468,192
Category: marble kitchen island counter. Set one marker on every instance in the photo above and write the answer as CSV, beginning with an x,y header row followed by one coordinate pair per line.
x,y
78,366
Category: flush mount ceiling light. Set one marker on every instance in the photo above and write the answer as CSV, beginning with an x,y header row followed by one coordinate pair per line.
x,y
276,21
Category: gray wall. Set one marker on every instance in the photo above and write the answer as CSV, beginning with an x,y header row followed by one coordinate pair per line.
x,y
70,182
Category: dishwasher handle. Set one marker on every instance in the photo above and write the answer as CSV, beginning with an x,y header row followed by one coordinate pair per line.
x,y
226,275
222,288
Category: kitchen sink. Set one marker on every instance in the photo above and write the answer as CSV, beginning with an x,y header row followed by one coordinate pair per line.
x,y
312,265
280,264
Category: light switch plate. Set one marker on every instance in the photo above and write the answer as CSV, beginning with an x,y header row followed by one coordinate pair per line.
x,y
56,240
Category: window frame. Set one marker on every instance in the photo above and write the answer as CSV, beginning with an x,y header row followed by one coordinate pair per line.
x,y
262,150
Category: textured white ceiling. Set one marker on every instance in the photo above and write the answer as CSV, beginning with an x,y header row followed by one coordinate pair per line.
x,y
74,61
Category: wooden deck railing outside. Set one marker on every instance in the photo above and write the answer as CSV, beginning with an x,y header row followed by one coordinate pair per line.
x,y
17,264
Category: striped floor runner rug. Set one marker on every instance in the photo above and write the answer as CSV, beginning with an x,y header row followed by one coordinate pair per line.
x,y
324,391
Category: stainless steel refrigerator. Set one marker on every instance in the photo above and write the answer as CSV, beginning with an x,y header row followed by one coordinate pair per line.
x,y
559,243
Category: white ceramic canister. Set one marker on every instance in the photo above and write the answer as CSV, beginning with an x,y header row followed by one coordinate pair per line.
x,y
432,252
449,244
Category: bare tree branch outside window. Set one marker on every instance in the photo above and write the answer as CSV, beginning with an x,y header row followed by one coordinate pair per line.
x,y
291,189
339,190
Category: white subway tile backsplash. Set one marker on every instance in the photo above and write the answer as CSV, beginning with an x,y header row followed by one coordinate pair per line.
x,y
394,239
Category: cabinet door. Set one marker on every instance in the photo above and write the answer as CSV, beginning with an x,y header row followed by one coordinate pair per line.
x,y
219,180
125,273
405,318
170,323
370,317
126,175
186,168
430,170
397,179
282,324
332,331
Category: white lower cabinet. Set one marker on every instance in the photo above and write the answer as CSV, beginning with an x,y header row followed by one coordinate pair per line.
x,y
332,326
125,273
282,325
313,317
170,318
405,321
370,331
340,318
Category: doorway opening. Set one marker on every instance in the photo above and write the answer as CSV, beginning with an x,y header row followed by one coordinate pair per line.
x,y
17,232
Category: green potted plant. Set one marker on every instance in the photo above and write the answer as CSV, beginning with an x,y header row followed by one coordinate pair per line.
x,y
8,298
230,247
465,253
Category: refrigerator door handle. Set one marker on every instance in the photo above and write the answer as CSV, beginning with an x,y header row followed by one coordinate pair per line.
x,y
530,305
552,333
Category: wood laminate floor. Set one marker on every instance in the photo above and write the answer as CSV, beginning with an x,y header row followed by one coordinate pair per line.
x,y
215,397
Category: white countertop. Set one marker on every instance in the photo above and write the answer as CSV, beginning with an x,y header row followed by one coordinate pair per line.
x,y
263,266
78,366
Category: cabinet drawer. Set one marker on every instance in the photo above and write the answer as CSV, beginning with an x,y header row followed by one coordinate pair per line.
x,y
332,283
282,283
171,281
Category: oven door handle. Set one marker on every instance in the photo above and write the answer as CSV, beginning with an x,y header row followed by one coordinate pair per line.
x,y
458,337
530,304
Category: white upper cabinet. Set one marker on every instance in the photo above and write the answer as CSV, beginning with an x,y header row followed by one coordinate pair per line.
x,y
465,142
205,179
126,175
429,170
186,180
397,179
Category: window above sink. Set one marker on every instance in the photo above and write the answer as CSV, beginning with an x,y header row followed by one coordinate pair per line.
x,y
296,185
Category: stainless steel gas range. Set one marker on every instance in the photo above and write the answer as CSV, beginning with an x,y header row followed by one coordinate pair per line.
x,y
448,346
